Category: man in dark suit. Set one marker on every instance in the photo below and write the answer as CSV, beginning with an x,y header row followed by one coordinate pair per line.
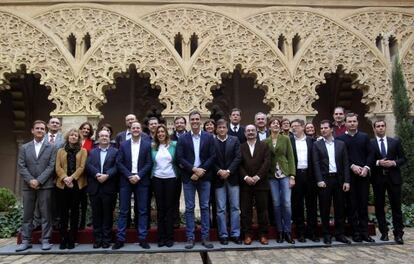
x,y
102,187
180,124
226,179
360,160
260,121
36,163
331,168
254,185
235,129
195,155
305,190
134,164
386,176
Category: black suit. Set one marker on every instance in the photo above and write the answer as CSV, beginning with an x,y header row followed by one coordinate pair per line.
x,y
239,134
305,189
230,161
334,183
102,195
178,186
388,179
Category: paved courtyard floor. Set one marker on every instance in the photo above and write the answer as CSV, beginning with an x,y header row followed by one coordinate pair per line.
x,y
337,254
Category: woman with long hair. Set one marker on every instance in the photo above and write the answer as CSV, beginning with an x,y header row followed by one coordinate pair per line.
x,y
70,165
281,179
164,181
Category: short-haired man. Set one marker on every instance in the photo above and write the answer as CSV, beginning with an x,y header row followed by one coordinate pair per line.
x,y
153,123
235,129
54,135
254,167
180,124
360,160
260,121
36,164
134,164
386,177
226,181
125,135
195,155
331,168
339,127
305,191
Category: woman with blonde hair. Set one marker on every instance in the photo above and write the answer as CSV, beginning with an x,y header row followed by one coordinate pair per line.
x,y
70,165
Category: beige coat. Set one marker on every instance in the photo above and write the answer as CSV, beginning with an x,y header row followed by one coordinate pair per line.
x,y
62,168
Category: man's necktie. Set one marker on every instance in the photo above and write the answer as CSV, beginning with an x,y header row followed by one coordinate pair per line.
x,y
235,129
383,152
52,139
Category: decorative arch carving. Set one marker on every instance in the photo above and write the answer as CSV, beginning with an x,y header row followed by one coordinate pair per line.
x,y
330,43
22,42
230,43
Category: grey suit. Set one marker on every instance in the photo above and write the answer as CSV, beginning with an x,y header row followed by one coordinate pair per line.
x,y
59,140
40,168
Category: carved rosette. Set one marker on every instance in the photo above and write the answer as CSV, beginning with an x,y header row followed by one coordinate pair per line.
x,y
22,43
326,44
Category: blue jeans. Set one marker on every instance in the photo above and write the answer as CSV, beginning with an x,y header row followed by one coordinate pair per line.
x,y
281,203
203,190
233,192
140,199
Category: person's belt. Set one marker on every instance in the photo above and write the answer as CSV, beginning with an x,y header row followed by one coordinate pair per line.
x,y
333,174
302,170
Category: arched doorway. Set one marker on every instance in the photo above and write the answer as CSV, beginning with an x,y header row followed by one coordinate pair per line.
x,y
341,89
239,90
132,93
25,101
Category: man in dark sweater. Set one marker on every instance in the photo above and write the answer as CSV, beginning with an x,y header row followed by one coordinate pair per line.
x,y
360,160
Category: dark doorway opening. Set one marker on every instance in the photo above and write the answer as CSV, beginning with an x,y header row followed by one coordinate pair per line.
x,y
341,89
25,101
239,90
132,94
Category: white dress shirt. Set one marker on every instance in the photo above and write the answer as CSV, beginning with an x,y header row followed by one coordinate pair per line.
x,y
235,128
262,135
330,147
38,146
196,142
302,152
385,143
128,135
251,147
135,155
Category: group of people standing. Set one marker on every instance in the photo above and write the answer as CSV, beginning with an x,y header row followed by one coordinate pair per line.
x,y
279,167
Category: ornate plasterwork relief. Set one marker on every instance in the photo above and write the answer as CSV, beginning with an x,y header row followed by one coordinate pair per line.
x,y
330,43
22,43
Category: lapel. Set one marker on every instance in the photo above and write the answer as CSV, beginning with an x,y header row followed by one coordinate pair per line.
x,y
337,153
217,145
324,149
108,152
42,148
31,149
229,145
256,146
390,146
377,149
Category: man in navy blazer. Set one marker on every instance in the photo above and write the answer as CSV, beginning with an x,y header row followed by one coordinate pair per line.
x,y
226,180
388,156
195,155
102,187
235,129
134,164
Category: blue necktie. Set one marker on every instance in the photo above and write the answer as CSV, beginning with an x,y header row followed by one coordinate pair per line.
x,y
383,152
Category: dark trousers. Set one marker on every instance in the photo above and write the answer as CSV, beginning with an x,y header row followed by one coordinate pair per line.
x,y
213,206
359,205
304,193
164,190
102,215
394,195
176,202
333,190
83,206
70,199
247,196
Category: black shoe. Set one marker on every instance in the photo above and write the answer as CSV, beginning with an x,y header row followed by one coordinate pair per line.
x,y
236,240
224,241
356,238
169,243
144,244
97,244
327,240
384,237
288,238
189,244
398,239
314,238
118,245
161,243
71,244
63,244
105,245
206,244
279,237
302,239
367,239
343,239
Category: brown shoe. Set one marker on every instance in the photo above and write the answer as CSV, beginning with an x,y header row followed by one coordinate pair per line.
x,y
247,239
263,240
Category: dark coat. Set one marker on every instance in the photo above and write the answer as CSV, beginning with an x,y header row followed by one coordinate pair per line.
x,y
230,161
93,166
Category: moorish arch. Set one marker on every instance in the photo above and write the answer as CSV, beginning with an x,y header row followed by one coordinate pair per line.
x,y
26,43
226,43
326,44
116,41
